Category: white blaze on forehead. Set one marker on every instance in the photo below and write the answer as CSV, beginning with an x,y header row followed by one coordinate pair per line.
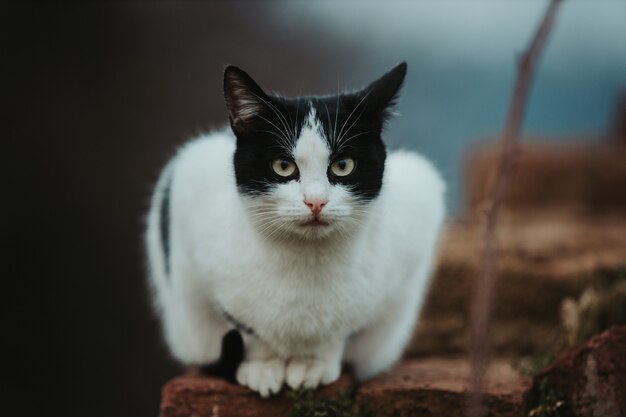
x,y
311,155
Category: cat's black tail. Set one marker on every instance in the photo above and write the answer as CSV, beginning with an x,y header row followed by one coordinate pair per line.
x,y
230,358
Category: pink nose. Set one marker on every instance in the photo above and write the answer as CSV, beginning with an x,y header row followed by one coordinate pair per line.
x,y
316,206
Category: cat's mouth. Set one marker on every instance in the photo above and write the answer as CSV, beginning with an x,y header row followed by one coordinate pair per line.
x,y
315,222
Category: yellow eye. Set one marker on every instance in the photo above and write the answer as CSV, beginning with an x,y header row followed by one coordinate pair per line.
x,y
342,167
284,167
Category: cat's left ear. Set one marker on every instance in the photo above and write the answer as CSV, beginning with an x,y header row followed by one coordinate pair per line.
x,y
381,95
244,98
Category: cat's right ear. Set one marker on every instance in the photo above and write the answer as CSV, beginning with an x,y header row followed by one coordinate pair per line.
x,y
244,98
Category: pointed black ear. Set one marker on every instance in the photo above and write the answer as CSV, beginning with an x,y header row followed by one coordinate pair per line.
x,y
244,98
381,95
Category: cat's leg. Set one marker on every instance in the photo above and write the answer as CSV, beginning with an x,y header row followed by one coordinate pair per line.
x,y
262,370
230,358
193,329
323,367
377,347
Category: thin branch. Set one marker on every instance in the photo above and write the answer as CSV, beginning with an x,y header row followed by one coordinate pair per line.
x,y
509,138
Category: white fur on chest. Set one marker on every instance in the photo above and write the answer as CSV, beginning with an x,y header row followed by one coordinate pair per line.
x,y
293,298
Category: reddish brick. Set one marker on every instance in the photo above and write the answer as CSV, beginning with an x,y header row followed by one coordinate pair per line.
x,y
195,395
438,387
590,378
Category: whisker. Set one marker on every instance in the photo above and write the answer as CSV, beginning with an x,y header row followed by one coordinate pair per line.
x,y
276,127
352,112
352,125
278,113
297,110
261,216
282,142
336,114
273,232
269,225
344,142
332,139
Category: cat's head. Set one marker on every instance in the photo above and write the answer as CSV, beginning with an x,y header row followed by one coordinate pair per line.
x,y
309,167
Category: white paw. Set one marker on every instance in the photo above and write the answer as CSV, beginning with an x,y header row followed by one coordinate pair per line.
x,y
310,373
265,377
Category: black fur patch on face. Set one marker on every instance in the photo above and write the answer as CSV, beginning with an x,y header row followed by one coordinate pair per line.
x,y
267,128
352,131
269,137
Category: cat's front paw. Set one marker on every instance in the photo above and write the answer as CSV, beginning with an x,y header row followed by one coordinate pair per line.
x,y
263,376
309,373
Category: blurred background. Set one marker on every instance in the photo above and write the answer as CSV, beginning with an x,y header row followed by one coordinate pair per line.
x,y
98,96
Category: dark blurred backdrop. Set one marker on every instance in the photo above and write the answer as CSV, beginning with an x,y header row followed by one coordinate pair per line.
x,y
97,96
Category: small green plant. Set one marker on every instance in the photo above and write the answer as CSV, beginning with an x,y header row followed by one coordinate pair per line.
x,y
529,366
550,403
600,306
343,405
617,275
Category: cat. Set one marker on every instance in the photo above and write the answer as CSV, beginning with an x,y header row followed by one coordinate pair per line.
x,y
293,229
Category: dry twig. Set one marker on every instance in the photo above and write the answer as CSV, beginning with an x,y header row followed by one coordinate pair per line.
x,y
481,307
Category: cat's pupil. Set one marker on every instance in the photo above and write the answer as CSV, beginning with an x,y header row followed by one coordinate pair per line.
x,y
342,164
284,164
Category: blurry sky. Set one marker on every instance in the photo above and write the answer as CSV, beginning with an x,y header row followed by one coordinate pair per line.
x,y
461,57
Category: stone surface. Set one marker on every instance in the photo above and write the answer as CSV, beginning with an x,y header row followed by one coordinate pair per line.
x,y
438,387
590,378
195,395
545,257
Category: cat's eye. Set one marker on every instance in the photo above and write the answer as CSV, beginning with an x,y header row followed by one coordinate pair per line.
x,y
284,167
342,167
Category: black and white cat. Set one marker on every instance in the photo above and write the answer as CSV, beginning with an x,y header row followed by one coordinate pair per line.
x,y
295,228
